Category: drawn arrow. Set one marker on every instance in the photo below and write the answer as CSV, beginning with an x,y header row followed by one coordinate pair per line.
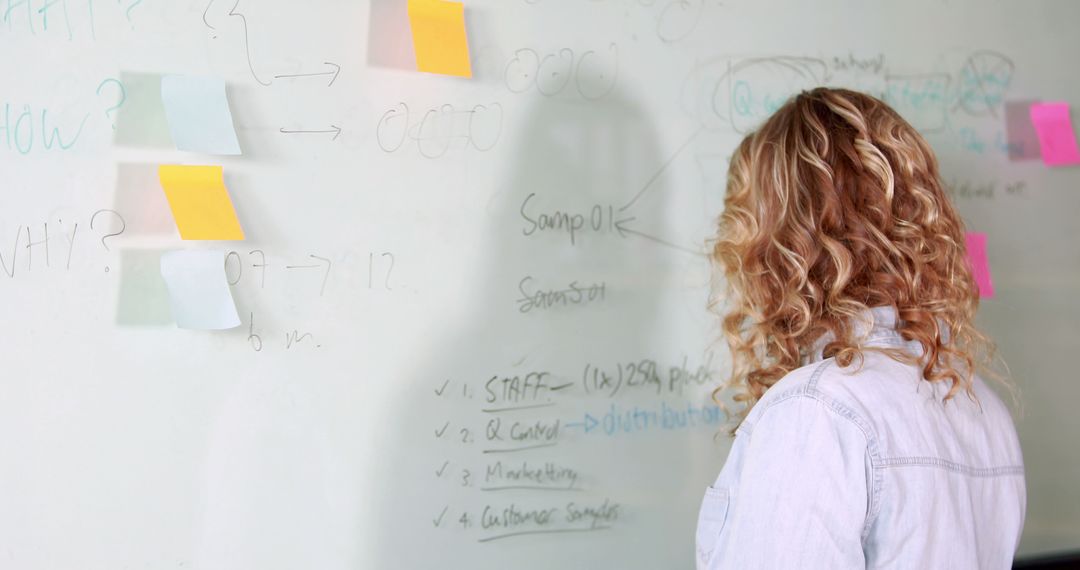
x,y
333,74
663,167
333,129
620,226
663,242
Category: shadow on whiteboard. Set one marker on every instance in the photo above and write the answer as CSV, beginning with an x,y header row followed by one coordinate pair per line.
x,y
390,42
485,474
141,121
140,199
389,36
143,299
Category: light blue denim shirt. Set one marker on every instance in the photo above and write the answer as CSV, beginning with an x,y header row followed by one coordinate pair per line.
x,y
866,467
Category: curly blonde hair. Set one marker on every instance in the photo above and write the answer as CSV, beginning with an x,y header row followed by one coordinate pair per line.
x,y
834,206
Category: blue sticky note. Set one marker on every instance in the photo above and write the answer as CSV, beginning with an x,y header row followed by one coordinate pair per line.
x,y
198,114
199,290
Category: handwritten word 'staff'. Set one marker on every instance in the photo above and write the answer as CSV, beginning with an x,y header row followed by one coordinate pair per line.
x,y
1056,136
198,290
200,202
439,39
980,266
199,115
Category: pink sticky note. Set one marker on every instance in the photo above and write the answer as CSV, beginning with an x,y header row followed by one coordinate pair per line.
x,y
1056,137
976,251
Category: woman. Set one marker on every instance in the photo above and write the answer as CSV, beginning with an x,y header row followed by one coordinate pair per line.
x,y
867,441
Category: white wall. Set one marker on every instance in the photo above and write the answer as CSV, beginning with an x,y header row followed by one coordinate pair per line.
x,y
128,443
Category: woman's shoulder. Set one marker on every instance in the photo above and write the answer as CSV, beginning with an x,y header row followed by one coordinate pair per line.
x,y
891,404
855,394
820,382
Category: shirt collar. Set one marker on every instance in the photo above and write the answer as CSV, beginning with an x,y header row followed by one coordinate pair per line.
x,y
874,326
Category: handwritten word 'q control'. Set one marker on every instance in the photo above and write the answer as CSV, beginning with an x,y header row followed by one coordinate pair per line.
x,y
435,131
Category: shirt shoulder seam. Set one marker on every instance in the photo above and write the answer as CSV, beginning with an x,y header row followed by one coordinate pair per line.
x,y
810,390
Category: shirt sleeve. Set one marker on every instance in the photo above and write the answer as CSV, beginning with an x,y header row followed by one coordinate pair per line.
x,y
800,499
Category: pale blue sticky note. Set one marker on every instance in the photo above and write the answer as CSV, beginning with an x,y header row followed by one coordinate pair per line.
x,y
198,113
199,290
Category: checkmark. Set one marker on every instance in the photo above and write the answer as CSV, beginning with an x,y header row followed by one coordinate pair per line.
x,y
439,391
439,520
439,432
442,469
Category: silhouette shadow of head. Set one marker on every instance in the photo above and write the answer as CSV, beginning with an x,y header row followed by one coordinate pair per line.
x,y
500,458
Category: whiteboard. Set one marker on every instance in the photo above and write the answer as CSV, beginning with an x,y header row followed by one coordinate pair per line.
x,y
473,325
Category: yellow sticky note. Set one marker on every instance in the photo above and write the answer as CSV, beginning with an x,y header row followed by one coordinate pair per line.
x,y
200,202
438,32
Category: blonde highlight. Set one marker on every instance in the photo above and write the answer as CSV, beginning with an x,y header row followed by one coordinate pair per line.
x,y
833,206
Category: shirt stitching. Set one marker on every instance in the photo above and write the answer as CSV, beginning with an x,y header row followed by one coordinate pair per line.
x,y
952,466
810,391
877,463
